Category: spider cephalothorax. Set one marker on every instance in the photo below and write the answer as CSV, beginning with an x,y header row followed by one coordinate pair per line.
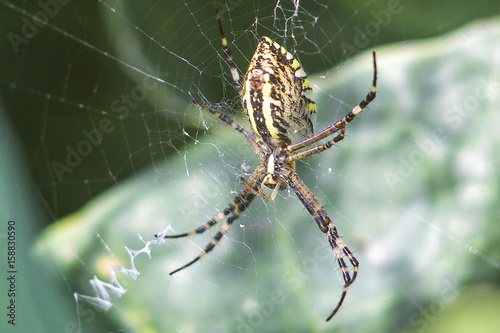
x,y
278,100
273,163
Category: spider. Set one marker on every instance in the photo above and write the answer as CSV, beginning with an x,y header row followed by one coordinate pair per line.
x,y
278,101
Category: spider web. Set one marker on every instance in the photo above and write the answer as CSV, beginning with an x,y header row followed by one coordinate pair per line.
x,y
99,93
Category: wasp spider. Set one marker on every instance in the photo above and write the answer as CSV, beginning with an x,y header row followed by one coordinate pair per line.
x,y
278,100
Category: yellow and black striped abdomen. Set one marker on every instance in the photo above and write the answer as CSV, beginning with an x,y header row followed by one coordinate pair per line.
x,y
277,95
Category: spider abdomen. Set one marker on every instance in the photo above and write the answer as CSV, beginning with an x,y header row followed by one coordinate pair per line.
x,y
277,95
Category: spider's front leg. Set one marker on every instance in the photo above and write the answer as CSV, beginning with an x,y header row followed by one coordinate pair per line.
x,y
321,218
339,125
249,136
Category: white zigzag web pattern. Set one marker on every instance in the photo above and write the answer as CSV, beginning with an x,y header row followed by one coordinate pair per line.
x,y
105,290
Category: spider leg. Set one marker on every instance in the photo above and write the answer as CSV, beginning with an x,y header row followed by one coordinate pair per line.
x,y
230,209
321,218
339,125
229,121
244,199
338,244
233,211
202,228
227,51
225,118
258,191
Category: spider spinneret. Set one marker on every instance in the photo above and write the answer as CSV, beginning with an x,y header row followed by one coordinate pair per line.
x,y
278,100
